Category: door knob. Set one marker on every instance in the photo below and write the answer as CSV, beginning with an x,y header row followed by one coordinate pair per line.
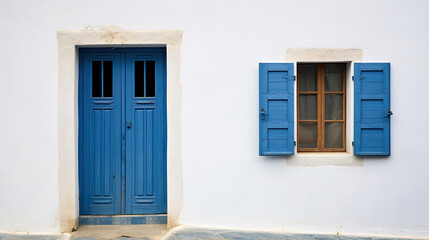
x,y
128,124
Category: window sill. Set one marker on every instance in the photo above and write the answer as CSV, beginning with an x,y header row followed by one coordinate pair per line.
x,y
339,159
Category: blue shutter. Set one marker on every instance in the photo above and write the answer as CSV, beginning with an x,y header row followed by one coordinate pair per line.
x,y
276,120
372,109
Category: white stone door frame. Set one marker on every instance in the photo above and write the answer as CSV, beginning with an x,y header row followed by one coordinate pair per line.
x,y
68,75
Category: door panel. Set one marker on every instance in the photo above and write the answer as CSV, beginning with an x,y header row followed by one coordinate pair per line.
x,y
101,148
145,133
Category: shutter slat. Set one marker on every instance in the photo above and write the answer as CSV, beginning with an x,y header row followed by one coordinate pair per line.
x,y
371,104
276,109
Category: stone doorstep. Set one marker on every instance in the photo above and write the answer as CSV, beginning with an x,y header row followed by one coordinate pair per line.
x,y
123,219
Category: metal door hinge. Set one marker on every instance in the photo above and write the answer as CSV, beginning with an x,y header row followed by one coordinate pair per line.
x,y
294,143
353,78
294,78
353,143
388,113
262,113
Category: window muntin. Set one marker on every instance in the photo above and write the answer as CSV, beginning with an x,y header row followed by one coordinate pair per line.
x,y
321,107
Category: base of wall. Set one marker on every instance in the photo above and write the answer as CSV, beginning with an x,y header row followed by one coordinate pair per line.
x,y
123,219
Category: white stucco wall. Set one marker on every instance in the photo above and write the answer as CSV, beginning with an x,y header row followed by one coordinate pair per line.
x,y
225,182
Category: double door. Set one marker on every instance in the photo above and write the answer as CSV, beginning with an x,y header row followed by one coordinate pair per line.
x,y
122,131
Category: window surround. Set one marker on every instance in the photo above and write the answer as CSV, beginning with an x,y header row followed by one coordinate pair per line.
x,y
327,55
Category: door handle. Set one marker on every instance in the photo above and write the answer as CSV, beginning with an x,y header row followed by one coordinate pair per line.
x,y
388,113
262,113
128,124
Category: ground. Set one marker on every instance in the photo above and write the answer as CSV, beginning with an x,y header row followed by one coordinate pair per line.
x,y
159,232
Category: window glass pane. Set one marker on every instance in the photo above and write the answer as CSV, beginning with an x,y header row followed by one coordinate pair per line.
x,y
333,106
96,79
139,78
307,135
307,78
334,77
333,135
150,78
107,79
308,107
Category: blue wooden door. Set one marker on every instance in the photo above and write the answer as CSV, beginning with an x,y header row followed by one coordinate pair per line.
x,y
122,131
145,133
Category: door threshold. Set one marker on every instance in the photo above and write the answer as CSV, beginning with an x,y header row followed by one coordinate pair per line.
x,y
122,219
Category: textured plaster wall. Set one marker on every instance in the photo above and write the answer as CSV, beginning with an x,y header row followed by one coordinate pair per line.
x,y
225,182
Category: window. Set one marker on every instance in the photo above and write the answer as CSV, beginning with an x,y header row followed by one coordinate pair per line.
x,y
321,108
321,90
144,72
102,79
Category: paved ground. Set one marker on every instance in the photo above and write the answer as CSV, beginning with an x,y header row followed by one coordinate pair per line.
x,y
212,234
159,232
95,232
4,236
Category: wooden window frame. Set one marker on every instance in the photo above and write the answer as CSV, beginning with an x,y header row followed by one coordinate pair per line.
x,y
320,93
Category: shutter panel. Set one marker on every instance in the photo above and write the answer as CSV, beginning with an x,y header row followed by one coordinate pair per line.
x,y
276,108
372,109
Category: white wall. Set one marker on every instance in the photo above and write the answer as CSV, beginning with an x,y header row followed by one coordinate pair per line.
x,y
226,183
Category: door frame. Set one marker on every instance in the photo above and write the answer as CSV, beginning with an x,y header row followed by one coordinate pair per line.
x,y
69,43
123,100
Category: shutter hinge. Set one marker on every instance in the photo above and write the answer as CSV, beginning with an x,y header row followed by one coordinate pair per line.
x,y
353,143
294,78
353,78
294,143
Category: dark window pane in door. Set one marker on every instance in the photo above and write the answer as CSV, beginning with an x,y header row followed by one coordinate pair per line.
x,y
107,79
150,78
96,79
139,78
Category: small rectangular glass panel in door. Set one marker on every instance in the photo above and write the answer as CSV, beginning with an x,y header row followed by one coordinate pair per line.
x,y
145,113
144,78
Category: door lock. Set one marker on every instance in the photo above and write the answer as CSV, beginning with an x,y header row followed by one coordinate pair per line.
x,y
128,124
